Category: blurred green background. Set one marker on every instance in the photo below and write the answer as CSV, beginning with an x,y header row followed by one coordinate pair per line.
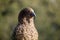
x,y
47,20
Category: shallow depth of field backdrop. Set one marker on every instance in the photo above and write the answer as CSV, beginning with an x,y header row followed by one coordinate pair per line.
x,y
47,19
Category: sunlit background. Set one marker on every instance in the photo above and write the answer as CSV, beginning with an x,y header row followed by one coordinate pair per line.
x,y
47,20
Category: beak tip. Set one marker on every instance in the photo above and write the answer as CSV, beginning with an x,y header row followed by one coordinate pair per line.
x,y
34,14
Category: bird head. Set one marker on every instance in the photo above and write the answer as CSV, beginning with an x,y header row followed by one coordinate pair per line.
x,y
26,13
29,12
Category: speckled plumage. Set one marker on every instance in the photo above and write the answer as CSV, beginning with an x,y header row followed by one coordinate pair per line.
x,y
25,29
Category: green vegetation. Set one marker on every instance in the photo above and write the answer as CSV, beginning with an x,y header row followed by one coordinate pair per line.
x,y
47,20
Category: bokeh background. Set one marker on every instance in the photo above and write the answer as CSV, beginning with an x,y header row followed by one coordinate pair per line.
x,y
47,20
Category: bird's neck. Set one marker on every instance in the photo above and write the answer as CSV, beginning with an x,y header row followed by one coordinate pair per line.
x,y
27,21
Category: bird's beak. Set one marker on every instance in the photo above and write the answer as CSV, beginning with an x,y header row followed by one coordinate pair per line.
x,y
33,14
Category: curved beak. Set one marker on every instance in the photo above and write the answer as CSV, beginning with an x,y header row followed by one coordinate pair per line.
x,y
33,14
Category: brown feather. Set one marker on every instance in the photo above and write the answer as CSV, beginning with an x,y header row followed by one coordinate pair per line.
x,y
26,29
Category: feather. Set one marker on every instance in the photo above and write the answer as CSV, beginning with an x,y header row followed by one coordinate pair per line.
x,y
25,30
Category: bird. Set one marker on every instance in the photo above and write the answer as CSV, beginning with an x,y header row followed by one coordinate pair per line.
x,y
25,30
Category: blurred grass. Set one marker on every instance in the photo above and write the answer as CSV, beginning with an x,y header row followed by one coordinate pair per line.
x,y
47,20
